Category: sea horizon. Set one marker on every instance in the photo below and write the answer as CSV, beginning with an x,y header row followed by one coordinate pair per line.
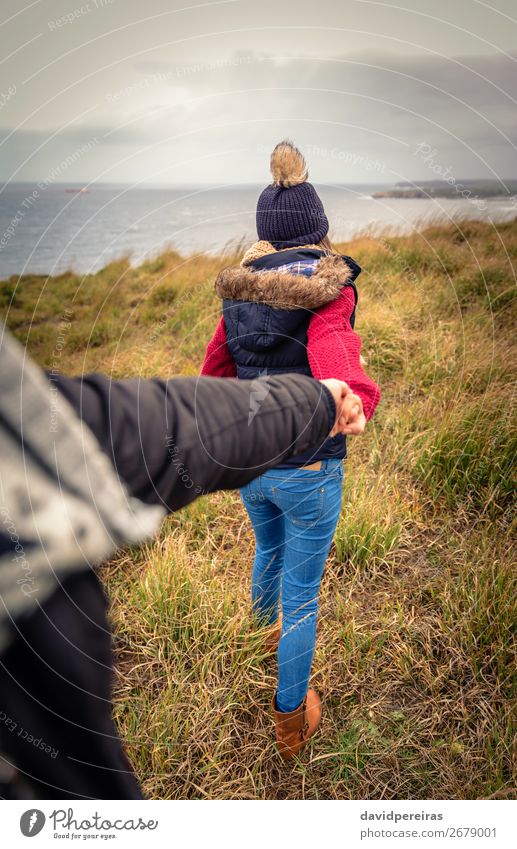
x,y
47,228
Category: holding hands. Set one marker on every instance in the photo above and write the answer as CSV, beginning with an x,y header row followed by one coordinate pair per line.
x,y
350,418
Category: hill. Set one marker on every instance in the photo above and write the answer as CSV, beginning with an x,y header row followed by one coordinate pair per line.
x,y
416,647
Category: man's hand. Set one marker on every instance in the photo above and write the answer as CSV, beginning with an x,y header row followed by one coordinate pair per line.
x,y
350,418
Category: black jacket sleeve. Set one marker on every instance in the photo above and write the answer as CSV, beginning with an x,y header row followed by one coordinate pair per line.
x,y
171,441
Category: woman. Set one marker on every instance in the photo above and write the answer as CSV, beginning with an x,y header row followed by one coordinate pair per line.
x,y
290,307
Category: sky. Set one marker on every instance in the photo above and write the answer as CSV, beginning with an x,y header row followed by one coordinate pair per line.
x,y
175,92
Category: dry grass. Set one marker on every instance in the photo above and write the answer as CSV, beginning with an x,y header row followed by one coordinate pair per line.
x,y
416,647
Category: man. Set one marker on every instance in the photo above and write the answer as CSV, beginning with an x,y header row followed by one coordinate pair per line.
x,y
90,464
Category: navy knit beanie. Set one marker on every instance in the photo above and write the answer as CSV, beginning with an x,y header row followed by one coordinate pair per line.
x,y
289,212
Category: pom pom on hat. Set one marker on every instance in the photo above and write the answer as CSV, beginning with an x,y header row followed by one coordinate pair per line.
x,y
289,211
288,165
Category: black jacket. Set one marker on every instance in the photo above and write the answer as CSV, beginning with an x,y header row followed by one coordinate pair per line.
x,y
168,442
171,441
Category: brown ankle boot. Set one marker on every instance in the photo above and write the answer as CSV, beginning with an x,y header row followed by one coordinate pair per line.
x,y
294,729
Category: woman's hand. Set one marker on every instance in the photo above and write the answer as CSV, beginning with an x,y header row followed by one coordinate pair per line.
x,y
350,418
355,427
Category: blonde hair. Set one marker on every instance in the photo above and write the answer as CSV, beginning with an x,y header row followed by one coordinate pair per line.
x,y
326,245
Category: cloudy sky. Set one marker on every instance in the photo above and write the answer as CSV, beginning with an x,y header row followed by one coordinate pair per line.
x,y
170,91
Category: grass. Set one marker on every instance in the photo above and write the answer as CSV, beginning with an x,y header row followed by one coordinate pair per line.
x,y
415,656
471,457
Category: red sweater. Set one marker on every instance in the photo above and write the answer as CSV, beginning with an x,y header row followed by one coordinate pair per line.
x,y
333,350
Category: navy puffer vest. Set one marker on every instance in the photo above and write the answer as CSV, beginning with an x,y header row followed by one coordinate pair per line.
x,y
267,309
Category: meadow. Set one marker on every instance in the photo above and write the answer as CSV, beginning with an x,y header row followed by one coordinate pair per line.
x,y
415,657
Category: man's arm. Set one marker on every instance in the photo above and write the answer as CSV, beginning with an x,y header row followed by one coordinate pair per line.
x,y
170,441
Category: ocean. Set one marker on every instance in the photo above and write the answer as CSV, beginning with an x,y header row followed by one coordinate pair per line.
x,y
50,228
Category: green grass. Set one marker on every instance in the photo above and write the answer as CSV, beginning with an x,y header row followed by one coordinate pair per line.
x,y
415,657
470,458
372,522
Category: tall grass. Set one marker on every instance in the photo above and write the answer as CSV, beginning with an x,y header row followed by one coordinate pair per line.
x,y
415,657
471,456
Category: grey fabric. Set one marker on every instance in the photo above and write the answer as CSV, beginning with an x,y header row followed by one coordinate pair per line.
x,y
62,506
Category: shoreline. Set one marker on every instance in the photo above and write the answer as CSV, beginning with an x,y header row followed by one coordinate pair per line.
x,y
375,230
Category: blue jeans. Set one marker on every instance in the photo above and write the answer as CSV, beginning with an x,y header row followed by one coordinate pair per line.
x,y
294,513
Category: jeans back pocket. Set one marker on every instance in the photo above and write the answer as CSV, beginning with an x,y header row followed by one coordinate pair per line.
x,y
305,507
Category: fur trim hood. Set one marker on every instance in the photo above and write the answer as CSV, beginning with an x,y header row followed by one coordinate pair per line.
x,y
261,248
281,289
